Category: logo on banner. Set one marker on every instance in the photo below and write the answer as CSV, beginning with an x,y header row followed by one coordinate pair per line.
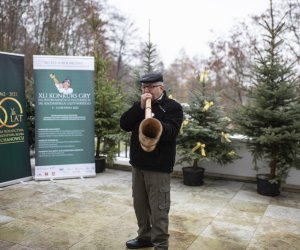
x,y
11,112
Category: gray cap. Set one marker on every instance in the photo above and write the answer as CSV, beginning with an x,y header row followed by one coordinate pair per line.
x,y
152,77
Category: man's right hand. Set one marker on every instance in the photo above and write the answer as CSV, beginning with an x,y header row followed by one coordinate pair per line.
x,y
144,97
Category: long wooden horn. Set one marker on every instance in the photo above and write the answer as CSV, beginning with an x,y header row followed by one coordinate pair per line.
x,y
150,129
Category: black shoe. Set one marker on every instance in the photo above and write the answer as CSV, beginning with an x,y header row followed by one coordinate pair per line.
x,y
138,243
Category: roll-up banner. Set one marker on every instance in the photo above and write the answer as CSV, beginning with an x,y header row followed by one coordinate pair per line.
x,y
14,147
64,115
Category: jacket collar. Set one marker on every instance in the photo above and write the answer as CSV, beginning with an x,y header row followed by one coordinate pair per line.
x,y
162,98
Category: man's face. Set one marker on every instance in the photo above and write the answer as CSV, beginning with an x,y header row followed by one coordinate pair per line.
x,y
66,85
155,89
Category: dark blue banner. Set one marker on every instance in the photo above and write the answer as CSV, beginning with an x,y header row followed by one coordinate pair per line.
x,y
14,147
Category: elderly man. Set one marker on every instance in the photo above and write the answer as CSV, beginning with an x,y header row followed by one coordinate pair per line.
x,y
151,172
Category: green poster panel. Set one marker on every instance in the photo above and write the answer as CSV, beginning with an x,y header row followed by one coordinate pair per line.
x,y
64,116
14,147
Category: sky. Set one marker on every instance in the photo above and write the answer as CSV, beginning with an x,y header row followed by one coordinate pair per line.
x,y
186,24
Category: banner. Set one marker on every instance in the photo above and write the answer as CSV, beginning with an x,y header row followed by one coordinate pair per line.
x,y
14,147
64,115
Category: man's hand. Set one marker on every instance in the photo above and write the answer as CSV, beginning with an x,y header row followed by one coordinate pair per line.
x,y
53,77
144,97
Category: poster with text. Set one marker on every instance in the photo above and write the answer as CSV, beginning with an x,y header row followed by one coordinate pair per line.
x,y
64,113
14,147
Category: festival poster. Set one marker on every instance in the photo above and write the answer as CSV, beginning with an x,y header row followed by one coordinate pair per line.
x,y
64,115
14,148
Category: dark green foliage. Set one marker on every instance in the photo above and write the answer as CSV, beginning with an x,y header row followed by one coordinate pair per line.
x,y
134,94
271,118
108,104
150,57
207,125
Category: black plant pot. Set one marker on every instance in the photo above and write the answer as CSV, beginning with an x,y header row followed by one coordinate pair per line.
x,y
193,176
265,187
100,164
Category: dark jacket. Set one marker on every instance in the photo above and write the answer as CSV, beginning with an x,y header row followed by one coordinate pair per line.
x,y
162,158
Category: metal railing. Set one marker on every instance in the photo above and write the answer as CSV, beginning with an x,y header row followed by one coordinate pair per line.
x,y
123,149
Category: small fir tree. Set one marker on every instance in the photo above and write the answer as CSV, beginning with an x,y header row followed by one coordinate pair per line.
x,y
150,57
205,133
108,104
149,61
271,118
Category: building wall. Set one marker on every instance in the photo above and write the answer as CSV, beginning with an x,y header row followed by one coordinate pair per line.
x,y
244,168
241,169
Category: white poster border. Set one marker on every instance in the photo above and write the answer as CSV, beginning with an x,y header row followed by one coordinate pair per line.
x,y
63,62
52,172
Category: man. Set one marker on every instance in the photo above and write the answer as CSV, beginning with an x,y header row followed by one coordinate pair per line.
x,y
151,172
64,87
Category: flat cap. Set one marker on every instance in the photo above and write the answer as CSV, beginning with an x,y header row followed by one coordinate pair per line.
x,y
152,77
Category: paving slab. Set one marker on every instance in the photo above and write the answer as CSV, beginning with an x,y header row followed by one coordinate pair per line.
x,y
97,213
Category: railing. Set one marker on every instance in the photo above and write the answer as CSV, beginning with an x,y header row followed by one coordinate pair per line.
x,y
241,169
123,153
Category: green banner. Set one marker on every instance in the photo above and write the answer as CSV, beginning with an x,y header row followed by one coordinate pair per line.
x,y
14,147
64,115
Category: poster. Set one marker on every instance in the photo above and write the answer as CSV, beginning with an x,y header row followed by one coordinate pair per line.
x,y
14,148
64,113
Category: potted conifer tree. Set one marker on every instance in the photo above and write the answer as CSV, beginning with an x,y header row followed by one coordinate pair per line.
x,y
204,134
271,117
108,103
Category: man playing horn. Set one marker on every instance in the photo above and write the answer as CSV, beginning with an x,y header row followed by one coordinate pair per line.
x,y
151,169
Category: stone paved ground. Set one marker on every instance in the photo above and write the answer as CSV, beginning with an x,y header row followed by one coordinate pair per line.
x,y
96,213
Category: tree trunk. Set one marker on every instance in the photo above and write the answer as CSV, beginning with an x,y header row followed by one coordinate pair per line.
x,y
195,163
272,169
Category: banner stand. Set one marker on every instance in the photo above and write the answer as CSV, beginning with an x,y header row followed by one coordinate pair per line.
x,y
53,179
18,181
15,164
64,117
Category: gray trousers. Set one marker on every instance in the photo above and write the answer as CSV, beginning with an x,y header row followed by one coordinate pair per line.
x,y
151,200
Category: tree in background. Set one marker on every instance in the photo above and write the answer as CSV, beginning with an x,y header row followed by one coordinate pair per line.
x,y
62,27
150,55
271,117
181,75
230,63
150,62
291,8
108,98
12,21
205,132
108,107
121,35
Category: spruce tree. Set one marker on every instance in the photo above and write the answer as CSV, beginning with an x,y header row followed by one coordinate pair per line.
x,y
150,56
148,64
108,103
205,132
271,118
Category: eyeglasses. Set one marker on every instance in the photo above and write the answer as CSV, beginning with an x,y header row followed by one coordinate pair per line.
x,y
150,86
